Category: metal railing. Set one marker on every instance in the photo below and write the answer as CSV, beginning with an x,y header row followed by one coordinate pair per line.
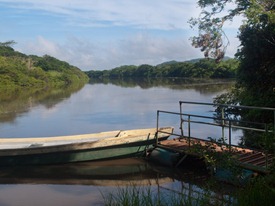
x,y
223,106
218,121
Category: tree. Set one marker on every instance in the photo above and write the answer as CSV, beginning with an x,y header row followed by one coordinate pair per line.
x,y
211,39
256,78
7,43
144,70
256,73
7,50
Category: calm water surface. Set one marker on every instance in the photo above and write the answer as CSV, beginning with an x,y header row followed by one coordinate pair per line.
x,y
94,108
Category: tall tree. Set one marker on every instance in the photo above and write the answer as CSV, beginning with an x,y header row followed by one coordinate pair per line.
x,y
256,73
211,38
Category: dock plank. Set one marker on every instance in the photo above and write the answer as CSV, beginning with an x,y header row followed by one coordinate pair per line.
x,y
247,158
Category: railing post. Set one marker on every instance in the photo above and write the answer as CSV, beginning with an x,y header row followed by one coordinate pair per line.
x,y
273,140
157,127
223,123
181,121
266,146
229,131
189,131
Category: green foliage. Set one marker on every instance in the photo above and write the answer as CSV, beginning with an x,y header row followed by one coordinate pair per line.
x,y
211,38
257,69
48,63
261,191
7,44
203,68
14,74
19,71
256,72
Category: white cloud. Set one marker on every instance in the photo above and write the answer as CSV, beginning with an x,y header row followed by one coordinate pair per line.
x,y
136,32
77,52
144,48
153,14
42,46
139,49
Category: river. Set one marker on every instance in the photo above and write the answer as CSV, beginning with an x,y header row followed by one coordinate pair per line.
x,y
94,108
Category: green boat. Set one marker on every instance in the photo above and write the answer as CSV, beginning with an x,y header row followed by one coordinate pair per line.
x,y
79,148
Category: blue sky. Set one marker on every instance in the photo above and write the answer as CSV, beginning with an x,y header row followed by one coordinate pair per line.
x,y
103,34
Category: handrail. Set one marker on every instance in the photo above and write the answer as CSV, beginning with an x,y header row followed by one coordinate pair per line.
x,y
229,125
220,121
231,106
227,105
217,118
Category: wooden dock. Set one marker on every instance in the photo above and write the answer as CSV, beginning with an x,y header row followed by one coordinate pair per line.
x,y
251,159
186,142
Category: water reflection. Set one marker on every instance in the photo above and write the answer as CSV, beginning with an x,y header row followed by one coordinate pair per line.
x,y
201,85
101,107
98,173
87,181
22,101
14,104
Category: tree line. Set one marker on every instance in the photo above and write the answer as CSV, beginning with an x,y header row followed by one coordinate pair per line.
x,y
18,71
202,68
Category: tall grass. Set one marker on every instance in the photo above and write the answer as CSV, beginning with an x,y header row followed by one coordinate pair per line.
x,y
133,195
259,192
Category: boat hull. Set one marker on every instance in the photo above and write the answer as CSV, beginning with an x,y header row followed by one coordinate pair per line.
x,y
109,148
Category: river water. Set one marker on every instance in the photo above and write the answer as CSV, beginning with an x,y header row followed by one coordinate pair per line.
x,y
94,108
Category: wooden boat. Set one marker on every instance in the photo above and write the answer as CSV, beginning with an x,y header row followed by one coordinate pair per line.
x,y
78,148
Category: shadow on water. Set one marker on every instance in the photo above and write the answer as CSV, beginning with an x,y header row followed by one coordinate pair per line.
x,y
13,104
112,173
103,173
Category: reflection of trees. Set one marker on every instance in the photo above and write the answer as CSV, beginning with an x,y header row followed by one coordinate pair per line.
x,y
212,88
203,86
14,103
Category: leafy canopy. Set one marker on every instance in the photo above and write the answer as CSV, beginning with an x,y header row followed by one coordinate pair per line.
x,y
211,38
20,71
256,73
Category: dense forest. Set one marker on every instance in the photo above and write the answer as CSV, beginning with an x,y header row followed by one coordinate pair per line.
x,y
201,68
20,71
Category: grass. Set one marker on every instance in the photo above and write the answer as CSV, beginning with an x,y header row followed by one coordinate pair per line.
x,y
133,195
260,191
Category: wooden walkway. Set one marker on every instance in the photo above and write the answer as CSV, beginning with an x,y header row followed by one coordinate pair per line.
x,y
254,160
222,117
